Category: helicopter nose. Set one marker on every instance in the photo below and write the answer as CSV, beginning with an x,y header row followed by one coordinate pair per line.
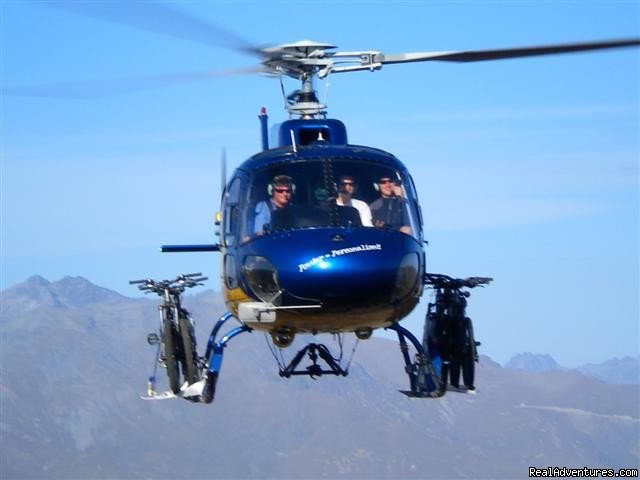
x,y
363,268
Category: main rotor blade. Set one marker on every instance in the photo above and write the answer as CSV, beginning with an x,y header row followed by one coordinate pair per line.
x,y
157,18
503,53
104,88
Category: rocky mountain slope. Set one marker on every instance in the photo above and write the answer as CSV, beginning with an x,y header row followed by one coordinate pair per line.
x,y
74,362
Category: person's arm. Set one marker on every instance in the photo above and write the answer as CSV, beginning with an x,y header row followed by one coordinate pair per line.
x,y
262,217
365,214
375,208
406,221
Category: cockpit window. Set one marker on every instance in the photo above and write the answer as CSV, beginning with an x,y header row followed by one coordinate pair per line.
x,y
329,192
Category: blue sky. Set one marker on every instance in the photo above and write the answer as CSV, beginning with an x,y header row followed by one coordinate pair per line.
x,y
527,169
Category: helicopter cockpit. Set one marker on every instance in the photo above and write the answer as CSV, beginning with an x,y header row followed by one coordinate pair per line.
x,y
325,192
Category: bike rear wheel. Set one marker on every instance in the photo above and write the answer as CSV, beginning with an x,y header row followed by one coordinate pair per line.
x,y
469,358
454,373
170,355
189,362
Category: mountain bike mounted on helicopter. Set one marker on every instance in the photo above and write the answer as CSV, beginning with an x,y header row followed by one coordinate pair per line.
x,y
177,345
448,332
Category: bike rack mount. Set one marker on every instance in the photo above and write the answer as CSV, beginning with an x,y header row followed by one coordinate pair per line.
x,y
424,372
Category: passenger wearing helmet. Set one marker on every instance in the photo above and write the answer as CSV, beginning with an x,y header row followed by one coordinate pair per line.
x,y
390,210
281,190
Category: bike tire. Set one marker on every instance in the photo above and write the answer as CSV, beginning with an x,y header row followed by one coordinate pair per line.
x,y
469,358
468,371
189,362
458,337
454,373
170,355
438,370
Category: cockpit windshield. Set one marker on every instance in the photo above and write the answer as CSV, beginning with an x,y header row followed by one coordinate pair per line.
x,y
328,192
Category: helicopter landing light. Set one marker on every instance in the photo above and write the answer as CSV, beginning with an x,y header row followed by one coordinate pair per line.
x,y
251,312
261,312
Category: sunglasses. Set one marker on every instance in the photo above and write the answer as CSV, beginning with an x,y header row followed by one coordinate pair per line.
x,y
346,183
282,190
384,181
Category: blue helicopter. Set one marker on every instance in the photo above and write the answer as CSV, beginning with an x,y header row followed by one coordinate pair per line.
x,y
318,235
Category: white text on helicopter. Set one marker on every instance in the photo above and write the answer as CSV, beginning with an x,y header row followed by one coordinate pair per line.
x,y
336,253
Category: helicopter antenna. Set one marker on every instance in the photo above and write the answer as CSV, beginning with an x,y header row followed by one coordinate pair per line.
x,y
223,171
327,84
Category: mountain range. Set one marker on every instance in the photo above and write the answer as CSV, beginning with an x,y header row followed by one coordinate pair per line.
x,y
74,362
624,370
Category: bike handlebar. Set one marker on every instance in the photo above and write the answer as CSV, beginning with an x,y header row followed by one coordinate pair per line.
x,y
175,286
439,280
190,275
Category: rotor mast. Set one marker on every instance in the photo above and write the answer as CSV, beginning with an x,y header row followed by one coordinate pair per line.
x,y
307,59
303,61
304,102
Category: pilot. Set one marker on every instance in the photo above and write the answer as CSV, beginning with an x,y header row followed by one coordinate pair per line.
x,y
281,190
390,210
346,189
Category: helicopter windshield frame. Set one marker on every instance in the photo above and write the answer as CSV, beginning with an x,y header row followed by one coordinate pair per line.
x,y
291,195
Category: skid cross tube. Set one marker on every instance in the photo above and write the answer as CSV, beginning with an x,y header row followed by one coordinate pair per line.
x,y
424,380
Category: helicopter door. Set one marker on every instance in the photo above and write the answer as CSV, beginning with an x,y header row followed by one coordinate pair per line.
x,y
231,222
230,272
231,215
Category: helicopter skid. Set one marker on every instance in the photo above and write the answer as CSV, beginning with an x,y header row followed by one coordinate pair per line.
x,y
189,392
412,394
168,395
424,375
452,388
